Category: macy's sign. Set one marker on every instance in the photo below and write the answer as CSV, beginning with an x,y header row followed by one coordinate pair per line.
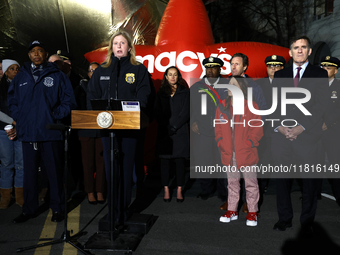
x,y
174,59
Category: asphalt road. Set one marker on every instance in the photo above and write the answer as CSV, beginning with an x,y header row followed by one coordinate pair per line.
x,y
191,227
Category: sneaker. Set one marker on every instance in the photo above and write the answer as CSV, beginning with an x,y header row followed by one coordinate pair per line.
x,y
228,216
251,219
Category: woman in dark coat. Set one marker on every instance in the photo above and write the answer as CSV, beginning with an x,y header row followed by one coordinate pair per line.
x,y
91,148
172,112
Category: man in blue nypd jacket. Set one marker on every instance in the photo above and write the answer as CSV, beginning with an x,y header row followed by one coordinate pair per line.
x,y
40,95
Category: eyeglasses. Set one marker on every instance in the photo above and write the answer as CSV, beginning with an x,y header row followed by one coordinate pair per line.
x,y
91,71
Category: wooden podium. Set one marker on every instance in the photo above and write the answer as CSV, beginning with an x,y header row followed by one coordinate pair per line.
x,y
110,120
120,119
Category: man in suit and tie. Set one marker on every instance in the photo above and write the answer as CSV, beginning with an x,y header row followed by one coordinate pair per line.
x,y
298,142
331,124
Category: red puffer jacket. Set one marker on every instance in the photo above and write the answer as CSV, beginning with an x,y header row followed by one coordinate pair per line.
x,y
245,138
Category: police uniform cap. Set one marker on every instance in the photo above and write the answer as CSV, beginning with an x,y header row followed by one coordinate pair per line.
x,y
212,62
36,43
64,55
275,60
330,61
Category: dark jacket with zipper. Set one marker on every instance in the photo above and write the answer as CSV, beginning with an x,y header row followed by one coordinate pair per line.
x,y
134,82
35,104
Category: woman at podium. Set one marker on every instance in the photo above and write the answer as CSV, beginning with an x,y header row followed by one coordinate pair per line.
x,y
121,77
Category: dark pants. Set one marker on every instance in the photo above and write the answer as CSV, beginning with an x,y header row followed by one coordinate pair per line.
x,y
139,162
287,152
93,162
126,143
204,152
309,200
52,155
76,176
180,171
331,145
265,158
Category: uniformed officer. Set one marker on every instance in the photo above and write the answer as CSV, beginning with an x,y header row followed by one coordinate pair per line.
x,y
331,125
273,63
204,151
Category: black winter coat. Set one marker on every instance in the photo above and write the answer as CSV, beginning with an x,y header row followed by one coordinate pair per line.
x,y
3,102
80,93
172,115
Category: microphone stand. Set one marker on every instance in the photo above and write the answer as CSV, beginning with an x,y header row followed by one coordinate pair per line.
x,y
66,234
113,153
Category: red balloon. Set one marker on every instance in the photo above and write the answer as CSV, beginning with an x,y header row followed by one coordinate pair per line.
x,y
185,38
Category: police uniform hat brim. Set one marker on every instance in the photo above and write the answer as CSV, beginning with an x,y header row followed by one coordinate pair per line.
x,y
212,62
35,44
275,60
330,61
64,55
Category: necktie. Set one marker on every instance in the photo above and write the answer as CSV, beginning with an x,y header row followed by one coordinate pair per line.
x,y
297,77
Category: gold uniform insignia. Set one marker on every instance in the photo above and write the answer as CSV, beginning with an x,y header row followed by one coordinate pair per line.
x,y
334,94
130,78
328,57
274,57
211,59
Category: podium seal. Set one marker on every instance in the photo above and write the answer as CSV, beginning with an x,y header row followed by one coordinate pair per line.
x,y
105,119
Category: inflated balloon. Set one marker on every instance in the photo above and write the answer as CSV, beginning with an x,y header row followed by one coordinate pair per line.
x,y
185,38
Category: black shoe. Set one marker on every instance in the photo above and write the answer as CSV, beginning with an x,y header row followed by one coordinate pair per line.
x,y
167,200
180,200
205,196
281,225
92,202
101,201
57,217
22,218
307,231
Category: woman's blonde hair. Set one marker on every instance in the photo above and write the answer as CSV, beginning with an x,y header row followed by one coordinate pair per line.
x,y
125,34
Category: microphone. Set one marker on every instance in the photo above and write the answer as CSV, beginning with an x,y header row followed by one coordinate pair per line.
x,y
118,71
59,126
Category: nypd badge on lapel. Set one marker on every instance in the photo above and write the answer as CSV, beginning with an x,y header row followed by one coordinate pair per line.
x,y
130,78
334,95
